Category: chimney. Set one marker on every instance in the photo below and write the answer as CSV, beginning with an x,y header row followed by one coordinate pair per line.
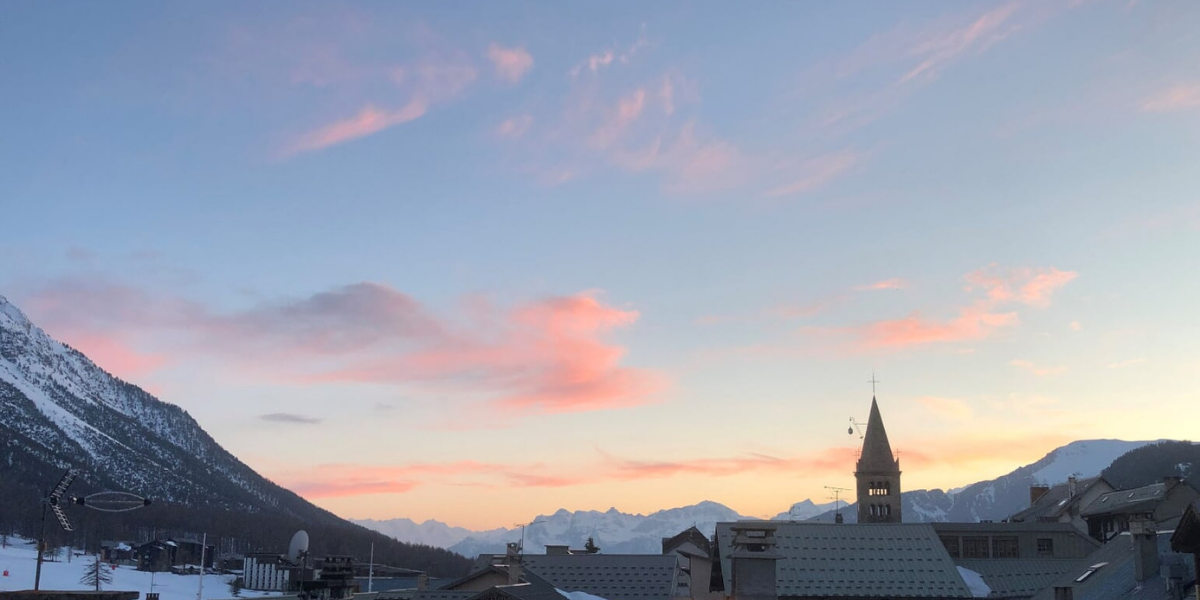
x,y
1036,492
1071,486
557,550
1170,482
422,582
753,560
512,557
1145,548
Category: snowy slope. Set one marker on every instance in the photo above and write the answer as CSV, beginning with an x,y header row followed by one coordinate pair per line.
x,y
59,409
19,560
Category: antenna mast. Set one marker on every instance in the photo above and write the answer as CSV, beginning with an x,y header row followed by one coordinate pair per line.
x,y
837,501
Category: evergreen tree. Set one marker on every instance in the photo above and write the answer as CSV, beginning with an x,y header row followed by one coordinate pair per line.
x,y
96,574
235,587
591,546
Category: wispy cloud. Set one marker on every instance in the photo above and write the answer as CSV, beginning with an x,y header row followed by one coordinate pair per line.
x,y
817,172
511,64
514,127
425,84
368,121
894,283
289,418
1179,97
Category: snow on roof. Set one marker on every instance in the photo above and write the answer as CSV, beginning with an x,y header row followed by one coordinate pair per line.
x,y
974,582
578,595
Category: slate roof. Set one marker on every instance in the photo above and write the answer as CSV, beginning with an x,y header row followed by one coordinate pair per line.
x,y
1020,577
1124,501
1056,501
902,560
610,576
1116,580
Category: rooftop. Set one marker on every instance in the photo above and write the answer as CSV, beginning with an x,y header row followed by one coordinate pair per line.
x,y
856,560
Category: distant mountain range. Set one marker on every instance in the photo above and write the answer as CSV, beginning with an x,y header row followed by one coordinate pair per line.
x,y
616,532
59,410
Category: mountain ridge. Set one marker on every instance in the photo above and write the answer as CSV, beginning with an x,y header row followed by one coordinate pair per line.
x,y
615,531
60,410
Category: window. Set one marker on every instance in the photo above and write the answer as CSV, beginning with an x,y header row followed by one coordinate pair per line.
x,y
951,544
1045,547
974,547
1005,547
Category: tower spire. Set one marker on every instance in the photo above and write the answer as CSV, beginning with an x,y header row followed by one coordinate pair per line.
x,y
878,473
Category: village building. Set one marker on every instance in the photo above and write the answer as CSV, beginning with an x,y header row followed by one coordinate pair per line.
x,y
877,474
695,564
1016,560
266,572
1137,564
1063,502
1186,539
1161,503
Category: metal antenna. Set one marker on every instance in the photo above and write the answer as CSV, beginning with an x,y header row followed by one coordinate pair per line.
x,y
837,501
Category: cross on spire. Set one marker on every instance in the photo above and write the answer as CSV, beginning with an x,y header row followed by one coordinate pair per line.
x,y
873,381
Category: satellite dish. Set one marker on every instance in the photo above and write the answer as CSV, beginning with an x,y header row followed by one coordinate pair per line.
x,y
299,545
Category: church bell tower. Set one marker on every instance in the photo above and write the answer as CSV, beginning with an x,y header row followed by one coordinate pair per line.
x,y
878,474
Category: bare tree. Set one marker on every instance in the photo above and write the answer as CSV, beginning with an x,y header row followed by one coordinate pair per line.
x,y
96,574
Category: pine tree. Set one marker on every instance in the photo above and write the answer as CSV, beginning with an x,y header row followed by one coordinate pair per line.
x,y
235,587
96,574
591,546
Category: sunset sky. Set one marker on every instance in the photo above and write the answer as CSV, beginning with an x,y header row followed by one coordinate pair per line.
x,y
480,261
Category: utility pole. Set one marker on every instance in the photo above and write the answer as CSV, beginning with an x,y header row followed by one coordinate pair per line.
x,y
203,547
371,570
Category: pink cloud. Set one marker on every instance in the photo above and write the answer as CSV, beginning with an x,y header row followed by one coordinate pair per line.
x,y
979,320
942,48
511,63
426,84
894,283
973,323
1036,370
368,121
115,356
606,57
545,356
514,127
818,172
1032,287
1179,97
626,111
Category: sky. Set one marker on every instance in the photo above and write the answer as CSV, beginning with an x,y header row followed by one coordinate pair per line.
x,y
480,261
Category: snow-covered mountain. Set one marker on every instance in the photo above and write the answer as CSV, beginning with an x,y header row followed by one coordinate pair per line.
x,y
997,499
805,510
613,531
59,410
430,533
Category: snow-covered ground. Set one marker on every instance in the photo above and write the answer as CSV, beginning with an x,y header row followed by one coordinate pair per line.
x,y
18,563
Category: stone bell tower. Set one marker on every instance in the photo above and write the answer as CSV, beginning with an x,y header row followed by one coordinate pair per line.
x,y
878,474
